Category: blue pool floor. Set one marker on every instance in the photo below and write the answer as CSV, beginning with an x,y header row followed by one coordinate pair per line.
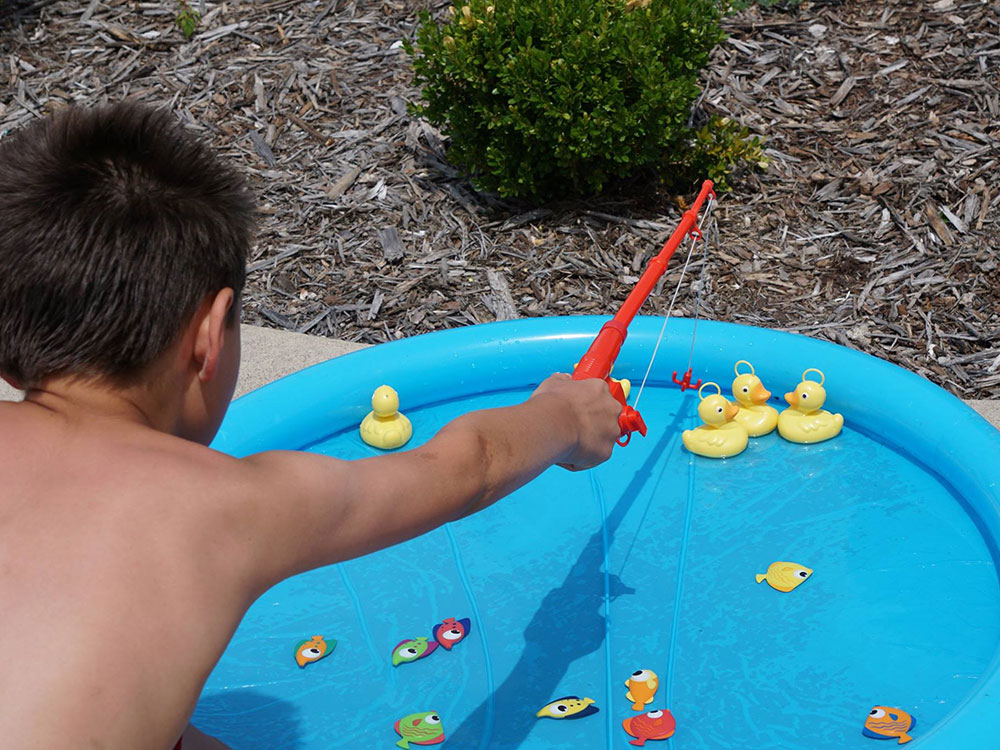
x,y
648,561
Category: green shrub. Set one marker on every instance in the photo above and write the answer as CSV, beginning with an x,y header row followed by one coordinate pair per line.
x,y
187,19
554,97
719,146
783,5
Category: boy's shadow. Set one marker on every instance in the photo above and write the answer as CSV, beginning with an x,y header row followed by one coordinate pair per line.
x,y
567,626
249,720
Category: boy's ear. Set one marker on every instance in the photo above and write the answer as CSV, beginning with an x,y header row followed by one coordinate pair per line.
x,y
212,332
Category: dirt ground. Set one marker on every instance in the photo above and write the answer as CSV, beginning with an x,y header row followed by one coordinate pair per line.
x,y
876,225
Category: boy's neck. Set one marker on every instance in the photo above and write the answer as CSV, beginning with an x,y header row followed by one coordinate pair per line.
x,y
78,400
183,392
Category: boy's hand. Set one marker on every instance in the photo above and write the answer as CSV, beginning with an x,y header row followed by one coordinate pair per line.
x,y
590,407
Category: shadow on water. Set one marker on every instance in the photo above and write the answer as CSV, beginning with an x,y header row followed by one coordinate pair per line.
x,y
572,607
249,719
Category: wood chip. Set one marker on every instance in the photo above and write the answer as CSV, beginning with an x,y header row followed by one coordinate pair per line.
x,y
955,221
843,91
938,226
263,150
503,304
89,10
392,246
345,181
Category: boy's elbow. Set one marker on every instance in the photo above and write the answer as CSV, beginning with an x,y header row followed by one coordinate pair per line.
x,y
470,453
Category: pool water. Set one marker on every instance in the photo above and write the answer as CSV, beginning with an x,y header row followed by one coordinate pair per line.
x,y
647,561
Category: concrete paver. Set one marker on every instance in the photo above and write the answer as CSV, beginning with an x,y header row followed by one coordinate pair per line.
x,y
269,354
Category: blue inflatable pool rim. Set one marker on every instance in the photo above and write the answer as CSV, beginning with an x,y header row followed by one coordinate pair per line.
x,y
925,423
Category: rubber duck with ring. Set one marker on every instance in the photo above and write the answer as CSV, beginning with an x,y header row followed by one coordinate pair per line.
x,y
756,415
719,436
805,420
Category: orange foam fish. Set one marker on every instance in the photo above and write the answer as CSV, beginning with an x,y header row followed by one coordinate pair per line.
x,y
885,723
312,650
641,688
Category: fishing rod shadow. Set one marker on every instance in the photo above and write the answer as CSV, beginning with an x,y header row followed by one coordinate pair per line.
x,y
567,625
672,430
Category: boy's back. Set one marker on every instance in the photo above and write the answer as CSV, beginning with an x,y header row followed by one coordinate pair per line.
x,y
119,591
129,551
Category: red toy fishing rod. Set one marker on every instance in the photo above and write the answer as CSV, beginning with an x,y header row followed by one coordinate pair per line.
x,y
603,352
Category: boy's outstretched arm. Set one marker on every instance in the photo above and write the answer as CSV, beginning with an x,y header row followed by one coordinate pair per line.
x,y
303,510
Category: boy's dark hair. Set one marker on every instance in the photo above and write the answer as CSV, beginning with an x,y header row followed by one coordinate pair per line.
x,y
114,226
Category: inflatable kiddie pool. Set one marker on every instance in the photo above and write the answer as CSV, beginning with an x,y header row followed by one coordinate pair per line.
x,y
646,562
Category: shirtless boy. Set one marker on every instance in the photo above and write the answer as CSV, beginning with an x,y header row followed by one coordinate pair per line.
x,y
129,551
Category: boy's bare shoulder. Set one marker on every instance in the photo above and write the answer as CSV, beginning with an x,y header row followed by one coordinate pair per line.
x,y
60,461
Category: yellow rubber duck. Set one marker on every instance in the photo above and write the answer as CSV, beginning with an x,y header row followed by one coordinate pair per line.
x,y
805,420
625,383
755,413
720,436
385,427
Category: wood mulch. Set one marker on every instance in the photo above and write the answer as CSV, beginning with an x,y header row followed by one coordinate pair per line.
x,y
876,225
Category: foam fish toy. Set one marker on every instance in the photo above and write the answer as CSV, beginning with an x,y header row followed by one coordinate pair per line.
x,y
784,576
314,649
420,729
642,687
884,723
569,707
655,725
451,631
412,649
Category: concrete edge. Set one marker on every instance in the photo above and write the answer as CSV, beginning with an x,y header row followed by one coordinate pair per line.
x,y
268,354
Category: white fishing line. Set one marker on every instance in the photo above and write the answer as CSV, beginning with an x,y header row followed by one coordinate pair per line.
x,y
694,239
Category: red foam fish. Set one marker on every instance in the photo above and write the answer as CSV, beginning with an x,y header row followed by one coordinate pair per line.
x,y
654,725
451,631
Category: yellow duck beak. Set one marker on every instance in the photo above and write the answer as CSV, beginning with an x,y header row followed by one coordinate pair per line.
x,y
759,394
731,411
792,398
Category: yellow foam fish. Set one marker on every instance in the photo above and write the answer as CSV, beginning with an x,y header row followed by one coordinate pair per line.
x,y
569,707
642,687
784,576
